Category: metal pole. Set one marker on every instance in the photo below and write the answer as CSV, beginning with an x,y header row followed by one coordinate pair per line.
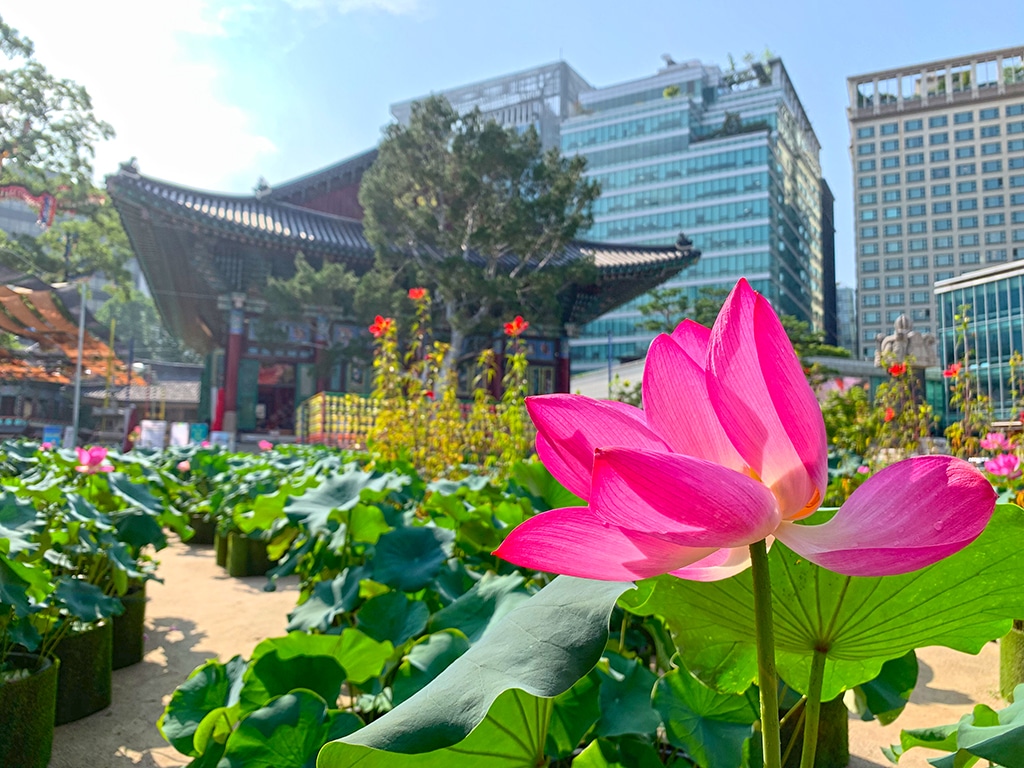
x,y
609,364
78,365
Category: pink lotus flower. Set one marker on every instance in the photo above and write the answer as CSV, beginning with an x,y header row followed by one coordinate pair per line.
x,y
1005,465
92,460
46,446
863,470
184,466
205,444
730,448
996,441
265,445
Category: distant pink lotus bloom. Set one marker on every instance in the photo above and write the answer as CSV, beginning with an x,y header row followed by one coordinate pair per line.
x,y
204,444
863,470
46,446
730,448
265,445
1005,465
92,460
996,441
184,466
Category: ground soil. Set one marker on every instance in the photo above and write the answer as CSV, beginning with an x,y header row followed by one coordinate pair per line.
x,y
199,613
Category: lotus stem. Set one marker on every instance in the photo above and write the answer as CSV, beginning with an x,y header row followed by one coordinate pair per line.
x,y
767,680
813,709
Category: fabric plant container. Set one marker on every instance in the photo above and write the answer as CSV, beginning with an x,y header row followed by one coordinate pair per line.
x,y
205,530
1011,660
129,643
84,682
833,737
246,557
27,707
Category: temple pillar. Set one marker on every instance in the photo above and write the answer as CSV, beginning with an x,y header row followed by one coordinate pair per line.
x,y
232,361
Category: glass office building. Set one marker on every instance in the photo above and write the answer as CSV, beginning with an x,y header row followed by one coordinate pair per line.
x,y
938,168
993,298
728,158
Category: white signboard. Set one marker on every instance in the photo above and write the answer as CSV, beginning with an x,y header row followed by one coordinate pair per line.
x,y
179,434
153,434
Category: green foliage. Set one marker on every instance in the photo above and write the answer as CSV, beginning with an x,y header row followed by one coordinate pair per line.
x,y
664,309
965,396
481,211
135,318
333,285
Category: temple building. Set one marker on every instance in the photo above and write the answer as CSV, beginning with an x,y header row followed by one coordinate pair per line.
x,y
207,257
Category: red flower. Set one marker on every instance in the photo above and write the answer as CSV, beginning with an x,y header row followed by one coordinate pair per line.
x,y
897,369
381,325
516,327
953,371
890,414
417,293
429,394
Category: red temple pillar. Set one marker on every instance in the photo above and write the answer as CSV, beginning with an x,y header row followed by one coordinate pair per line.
x,y
232,361
562,369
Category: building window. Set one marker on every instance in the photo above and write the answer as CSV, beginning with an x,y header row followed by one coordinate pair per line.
x,y
968,241
943,276
867,182
917,244
1017,127
919,314
967,222
1015,145
995,219
870,266
944,207
869,214
892,212
889,129
893,230
917,227
995,256
940,190
963,117
940,173
990,113
893,265
989,131
939,155
893,315
865,165
891,162
943,241
868,198
993,148
870,283
990,185
994,201
942,225
970,257
894,246
920,297
868,132
937,121
995,238
872,318
891,196
916,158
890,179
916,193
963,153
965,169
866,149
968,204
869,334
868,232
892,145
1014,109
869,249
1017,181
919,262
913,125
964,134
913,142
919,280
894,299
938,138
966,187
871,300
992,166
944,259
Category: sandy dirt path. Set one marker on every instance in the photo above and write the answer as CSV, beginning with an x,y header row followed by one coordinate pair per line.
x,y
199,613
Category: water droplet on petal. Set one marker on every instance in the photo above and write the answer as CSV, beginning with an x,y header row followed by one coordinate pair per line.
x,y
937,525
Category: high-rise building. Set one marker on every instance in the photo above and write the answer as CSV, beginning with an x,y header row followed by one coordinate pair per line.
x,y
938,168
541,97
846,318
727,157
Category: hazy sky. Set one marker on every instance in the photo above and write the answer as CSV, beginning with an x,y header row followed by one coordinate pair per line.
x,y
215,93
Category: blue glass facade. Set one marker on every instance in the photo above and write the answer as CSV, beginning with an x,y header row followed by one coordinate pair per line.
x,y
730,160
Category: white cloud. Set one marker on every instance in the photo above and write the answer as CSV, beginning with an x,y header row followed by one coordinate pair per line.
x,y
394,7
135,61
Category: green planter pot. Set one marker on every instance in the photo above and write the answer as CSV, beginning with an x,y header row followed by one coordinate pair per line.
x,y
1011,660
833,737
129,629
27,712
205,530
220,542
246,557
84,682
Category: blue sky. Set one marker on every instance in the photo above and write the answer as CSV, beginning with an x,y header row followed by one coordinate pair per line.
x,y
215,93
